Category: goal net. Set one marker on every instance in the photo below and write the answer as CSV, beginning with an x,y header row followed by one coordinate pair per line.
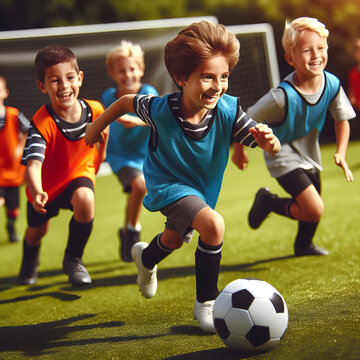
x,y
255,74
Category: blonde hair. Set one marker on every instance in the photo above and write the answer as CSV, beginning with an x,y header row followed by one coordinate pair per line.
x,y
294,29
196,43
125,49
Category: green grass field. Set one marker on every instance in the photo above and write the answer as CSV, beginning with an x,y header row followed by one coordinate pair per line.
x,y
111,320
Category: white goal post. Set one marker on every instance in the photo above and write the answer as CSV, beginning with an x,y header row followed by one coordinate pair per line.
x,y
256,72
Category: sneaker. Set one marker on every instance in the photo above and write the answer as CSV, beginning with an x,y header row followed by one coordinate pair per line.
x,y
75,269
203,313
28,272
127,240
257,213
311,249
146,278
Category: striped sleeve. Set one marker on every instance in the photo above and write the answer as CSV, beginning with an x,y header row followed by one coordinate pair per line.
x,y
24,122
240,131
34,147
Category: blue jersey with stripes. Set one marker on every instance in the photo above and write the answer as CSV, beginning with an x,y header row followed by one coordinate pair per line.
x,y
178,164
301,116
126,146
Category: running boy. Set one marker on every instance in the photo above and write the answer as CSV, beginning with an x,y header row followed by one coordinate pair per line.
x,y
61,169
13,128
188,151
296,111
127,147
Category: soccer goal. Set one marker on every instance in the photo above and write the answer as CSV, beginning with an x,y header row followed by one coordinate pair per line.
x,y
255,74
90,44
257,70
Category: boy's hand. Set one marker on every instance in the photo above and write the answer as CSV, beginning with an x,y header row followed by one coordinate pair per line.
x,y
239,156
39,202
91,137
340,161
265,138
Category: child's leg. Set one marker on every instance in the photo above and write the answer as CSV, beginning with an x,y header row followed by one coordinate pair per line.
x,y
147,257
12,211
12,215
130,234
210,225
31,249
83,203
211,228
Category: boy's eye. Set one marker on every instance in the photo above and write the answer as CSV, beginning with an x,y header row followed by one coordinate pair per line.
x,y
224,76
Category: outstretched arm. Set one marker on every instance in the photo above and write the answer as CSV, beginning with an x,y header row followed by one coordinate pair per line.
x,y
239,157
265,138
342,132
94,131
33,181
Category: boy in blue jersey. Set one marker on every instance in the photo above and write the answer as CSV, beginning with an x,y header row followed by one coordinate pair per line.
x,y
127,147
296,111
191,132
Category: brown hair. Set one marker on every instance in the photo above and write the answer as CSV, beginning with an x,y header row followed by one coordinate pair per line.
x,y
196,43
52,55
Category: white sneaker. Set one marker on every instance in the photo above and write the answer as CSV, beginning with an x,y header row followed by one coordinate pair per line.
x,y
203,313
146,279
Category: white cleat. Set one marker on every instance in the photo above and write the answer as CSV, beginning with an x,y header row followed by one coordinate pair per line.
x,y
146,279
203,313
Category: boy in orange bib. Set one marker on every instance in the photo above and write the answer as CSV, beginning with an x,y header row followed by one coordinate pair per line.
x,y
61,169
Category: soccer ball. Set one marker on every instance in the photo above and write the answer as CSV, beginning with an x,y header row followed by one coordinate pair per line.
x,y
250,315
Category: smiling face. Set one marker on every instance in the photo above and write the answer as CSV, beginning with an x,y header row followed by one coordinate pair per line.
x,y
62,83
204,87
126,72
309,56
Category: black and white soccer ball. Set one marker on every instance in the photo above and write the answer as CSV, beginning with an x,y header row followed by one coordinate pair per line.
x,y
250,315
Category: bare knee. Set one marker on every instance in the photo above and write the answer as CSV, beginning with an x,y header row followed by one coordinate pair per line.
x,y
83,202
171,239
138,186
212,227
315,212
34,235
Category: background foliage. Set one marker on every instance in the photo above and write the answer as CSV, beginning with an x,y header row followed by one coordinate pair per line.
x,y
341,17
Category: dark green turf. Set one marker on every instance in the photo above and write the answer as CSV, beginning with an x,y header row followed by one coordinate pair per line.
x,y
110,319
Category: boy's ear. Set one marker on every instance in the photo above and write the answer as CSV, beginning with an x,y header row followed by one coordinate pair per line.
x,y
81,77
289,59
179,82
41,86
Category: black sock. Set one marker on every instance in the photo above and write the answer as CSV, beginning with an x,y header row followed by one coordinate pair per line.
x,y
306,232
278,205
30,253
154,253
79,234
207,267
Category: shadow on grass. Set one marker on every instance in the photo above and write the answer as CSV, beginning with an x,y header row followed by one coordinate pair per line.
x,y
163,274
213,354
223,353
35,340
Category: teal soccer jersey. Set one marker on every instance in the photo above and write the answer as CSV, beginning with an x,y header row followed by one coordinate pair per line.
x,y
186,159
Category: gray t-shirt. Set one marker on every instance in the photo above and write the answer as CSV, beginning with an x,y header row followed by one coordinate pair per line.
x,y
303,152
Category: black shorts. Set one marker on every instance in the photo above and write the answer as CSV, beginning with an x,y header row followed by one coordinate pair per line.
x,y
11,196
63,201
126,175
298,180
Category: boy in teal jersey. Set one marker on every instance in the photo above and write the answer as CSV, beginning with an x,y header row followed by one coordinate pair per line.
x,y
191,132
296,111
127,147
